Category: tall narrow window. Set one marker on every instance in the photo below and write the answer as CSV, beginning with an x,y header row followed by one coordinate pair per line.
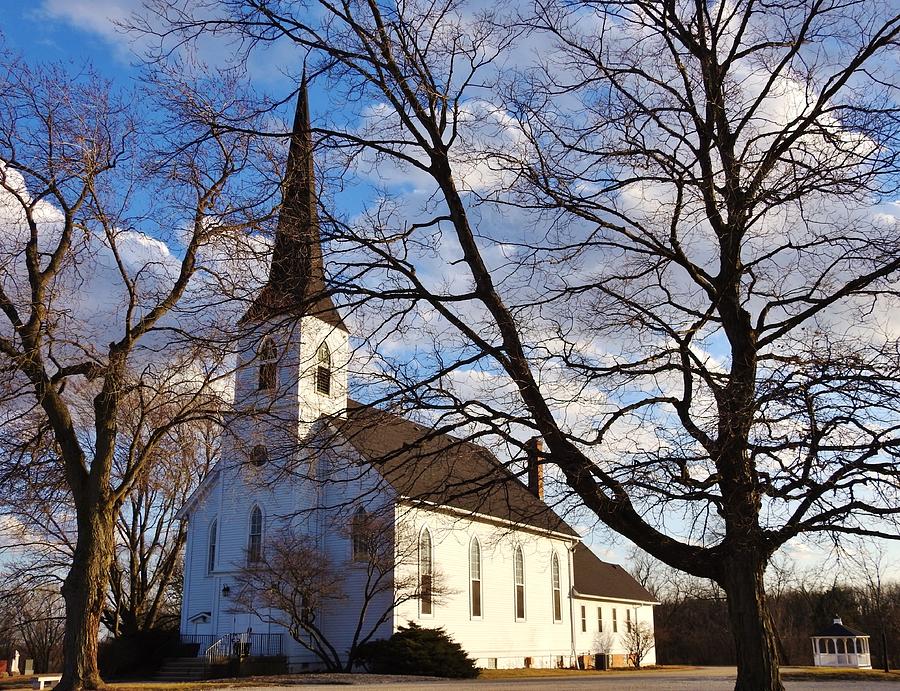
x,y
583,619
323,370
554,582
359,536
475,576
628,620
306,612
426,572
268,365
615,623
254,542
211,553
520,583
600,619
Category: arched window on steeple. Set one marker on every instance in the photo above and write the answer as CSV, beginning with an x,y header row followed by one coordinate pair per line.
x,y
268,365
323,370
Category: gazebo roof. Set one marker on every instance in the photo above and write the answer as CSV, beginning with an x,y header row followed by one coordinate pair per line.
x,y
838,630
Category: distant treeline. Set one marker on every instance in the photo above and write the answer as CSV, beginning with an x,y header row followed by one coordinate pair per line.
x,y
694,629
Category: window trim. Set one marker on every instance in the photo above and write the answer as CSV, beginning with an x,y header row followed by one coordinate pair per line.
x,y
423,589
255,557
615,622
323,370
583,618
359,550
599,619
475,544
212,547
555,589
267,355
519,557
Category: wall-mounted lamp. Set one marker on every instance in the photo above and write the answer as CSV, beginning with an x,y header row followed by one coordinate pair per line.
x,y
226,590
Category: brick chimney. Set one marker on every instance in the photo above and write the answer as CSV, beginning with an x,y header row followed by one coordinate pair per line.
x,y
534,454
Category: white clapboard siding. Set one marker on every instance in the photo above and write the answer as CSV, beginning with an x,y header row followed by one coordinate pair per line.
x,y
496,636
593,640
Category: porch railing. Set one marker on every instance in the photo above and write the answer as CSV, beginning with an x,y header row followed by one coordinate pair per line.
x,y
235,645
217,652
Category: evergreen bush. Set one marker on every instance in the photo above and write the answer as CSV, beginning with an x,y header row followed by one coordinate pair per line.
x,y
418,651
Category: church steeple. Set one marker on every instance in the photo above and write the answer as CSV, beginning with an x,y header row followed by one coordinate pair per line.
x,y
297,274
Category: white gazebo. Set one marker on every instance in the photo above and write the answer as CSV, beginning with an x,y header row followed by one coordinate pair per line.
x,y
839,646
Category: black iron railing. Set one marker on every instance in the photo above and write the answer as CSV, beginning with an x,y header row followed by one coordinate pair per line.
x,y
236,645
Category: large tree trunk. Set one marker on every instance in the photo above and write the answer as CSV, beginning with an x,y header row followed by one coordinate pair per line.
x,y
751,625
84,591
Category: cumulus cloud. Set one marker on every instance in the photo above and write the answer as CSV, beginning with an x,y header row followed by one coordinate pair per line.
x,y
89,301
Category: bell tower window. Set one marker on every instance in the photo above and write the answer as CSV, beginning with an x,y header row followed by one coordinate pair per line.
x,y
323,370
268,365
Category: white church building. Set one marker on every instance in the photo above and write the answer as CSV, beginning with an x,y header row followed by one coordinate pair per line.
x,y
482,554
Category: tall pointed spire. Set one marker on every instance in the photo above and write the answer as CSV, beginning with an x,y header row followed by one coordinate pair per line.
x,y
297,274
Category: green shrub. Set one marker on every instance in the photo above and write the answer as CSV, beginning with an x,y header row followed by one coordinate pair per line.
x,y
418,651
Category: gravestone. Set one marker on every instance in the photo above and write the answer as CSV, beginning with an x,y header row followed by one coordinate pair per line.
x,y
29,667
14,664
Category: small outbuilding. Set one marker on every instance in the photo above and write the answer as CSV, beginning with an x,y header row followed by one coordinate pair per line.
x,y
840,646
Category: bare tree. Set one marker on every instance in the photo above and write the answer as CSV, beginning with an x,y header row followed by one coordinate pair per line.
x,y
145,580
293,582
704,275
88,193
869,565
639,641
146,572
41,623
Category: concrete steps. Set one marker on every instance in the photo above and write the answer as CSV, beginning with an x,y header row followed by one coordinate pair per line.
x,y
182,669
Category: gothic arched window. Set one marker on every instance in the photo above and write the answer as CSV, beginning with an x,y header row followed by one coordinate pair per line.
x,y
426,572
475,576
359,535
211,550
323,370
520,583
554,583
268,365
254,540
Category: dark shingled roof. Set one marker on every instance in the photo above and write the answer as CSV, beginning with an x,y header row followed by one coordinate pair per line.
x,y
600,579
839,631
425,465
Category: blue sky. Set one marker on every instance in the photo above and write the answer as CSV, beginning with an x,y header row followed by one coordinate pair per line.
x,y
82,32
39,31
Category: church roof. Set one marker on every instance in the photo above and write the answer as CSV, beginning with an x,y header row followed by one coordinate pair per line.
x,y
425,465
296,283
597,578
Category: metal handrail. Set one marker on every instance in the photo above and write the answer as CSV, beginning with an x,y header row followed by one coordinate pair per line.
x,y
214,652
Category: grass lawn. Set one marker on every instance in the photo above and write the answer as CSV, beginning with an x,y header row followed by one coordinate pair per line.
x,y
837,674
